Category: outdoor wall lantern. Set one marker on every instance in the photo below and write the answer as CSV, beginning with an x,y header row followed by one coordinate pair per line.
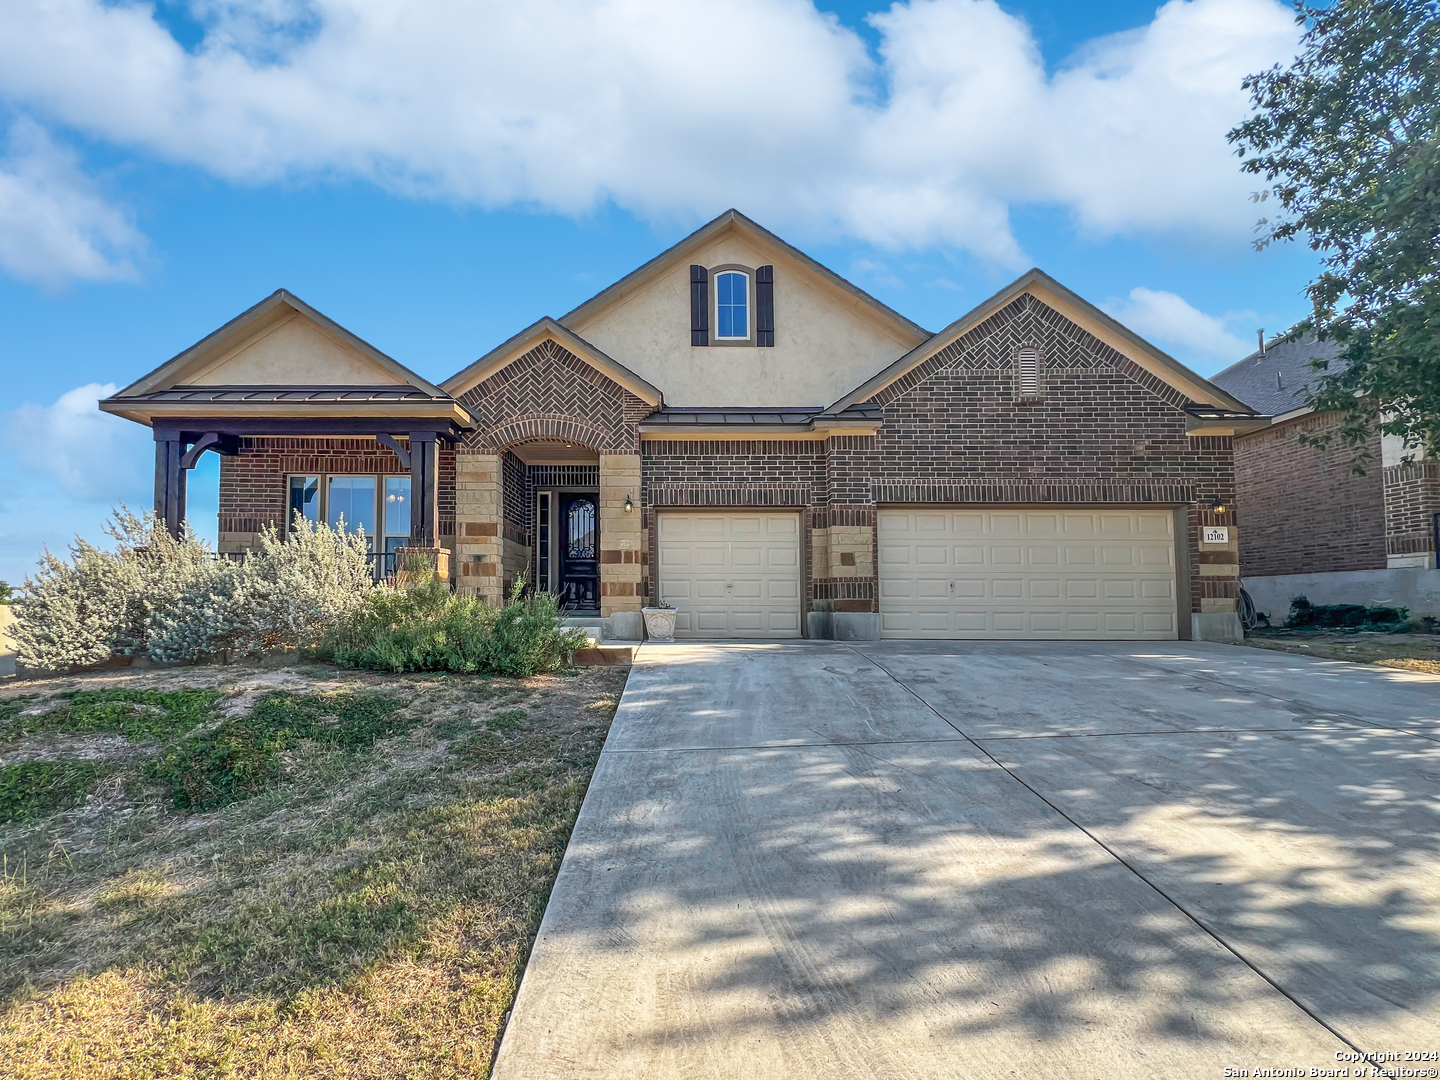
x,y
1218,506
629,505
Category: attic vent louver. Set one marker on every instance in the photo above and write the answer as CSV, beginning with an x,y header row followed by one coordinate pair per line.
x,y
1027,362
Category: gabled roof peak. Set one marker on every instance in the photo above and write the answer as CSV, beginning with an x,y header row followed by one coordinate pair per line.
x,y
734,219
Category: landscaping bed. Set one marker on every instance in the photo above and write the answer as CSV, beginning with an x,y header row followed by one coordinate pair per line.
x,y
224,871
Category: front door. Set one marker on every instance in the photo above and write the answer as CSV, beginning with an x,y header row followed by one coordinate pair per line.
x,y
579,563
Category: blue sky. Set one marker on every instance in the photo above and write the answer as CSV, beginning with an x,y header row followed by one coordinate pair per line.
x,y
437,182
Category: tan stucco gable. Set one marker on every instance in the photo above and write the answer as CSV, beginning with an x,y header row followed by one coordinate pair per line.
x,y
282,359
828,333
1036,283
281,341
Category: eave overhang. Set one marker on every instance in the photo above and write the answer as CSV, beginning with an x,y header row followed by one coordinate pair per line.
x,y
793,423
245,403
1206,421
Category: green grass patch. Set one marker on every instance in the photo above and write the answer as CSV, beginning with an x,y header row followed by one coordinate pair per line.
x,y
509,720
242,756
136,714
32,789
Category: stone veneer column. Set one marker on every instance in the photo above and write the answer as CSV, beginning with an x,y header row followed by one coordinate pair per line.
x,y
477,525
622,545
1216,584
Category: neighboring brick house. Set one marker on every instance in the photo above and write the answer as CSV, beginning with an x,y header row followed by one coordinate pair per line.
x,y
1309,523
737,430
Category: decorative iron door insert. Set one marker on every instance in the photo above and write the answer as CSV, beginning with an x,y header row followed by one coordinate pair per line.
x,y
579,554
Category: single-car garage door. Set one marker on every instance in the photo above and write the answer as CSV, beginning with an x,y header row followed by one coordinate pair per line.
x,y
733,574
1027,573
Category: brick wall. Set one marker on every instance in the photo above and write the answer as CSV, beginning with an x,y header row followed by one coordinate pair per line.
x,y
1302,510
1412,499
1101,431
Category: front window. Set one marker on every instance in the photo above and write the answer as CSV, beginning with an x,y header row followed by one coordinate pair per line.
x,y
397,512
351,499
732,302
304,499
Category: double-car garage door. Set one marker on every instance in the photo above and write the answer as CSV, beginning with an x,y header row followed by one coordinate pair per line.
x,y
1026,573
944,573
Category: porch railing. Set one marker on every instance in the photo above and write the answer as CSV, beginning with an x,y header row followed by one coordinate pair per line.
x,y
382,563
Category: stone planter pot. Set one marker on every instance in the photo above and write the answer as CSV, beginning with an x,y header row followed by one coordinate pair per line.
x,y
659,623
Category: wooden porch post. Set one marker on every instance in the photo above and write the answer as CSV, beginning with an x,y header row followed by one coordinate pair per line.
x,y
424,490
170,481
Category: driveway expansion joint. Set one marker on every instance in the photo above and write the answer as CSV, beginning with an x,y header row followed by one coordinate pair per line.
x,y
1190,915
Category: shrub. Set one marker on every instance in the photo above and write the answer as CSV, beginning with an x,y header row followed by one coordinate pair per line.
x,y
171,598
296,588
427,628
241,757
1305,615
33,789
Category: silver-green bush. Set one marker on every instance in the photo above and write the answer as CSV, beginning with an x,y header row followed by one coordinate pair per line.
x,y
172,599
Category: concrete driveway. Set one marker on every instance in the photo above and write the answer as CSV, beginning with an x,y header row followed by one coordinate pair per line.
x,y
914,859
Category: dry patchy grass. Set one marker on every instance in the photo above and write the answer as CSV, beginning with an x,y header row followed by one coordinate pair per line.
x,y
367,913
1408,652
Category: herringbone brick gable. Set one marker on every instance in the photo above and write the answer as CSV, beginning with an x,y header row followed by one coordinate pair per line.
x,y
550,393
1028,322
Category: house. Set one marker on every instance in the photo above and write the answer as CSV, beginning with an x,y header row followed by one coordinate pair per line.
x,y
1309,524
738,431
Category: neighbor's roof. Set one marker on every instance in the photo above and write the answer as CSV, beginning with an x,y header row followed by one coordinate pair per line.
x,y
1275,383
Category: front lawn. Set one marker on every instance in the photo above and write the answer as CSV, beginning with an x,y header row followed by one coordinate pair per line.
x,y
219,872
1408,652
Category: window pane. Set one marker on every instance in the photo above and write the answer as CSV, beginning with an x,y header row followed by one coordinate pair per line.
x,y
353,498
731,300
397,507
304,498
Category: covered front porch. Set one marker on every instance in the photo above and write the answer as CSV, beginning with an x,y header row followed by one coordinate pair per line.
x,y
309,420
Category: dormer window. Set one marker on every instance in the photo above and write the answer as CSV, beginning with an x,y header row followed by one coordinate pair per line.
x,y
732,306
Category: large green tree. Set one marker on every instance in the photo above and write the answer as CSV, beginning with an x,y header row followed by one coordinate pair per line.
x,y
1346,140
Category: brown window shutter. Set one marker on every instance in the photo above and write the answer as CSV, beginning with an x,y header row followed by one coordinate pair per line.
x,y
765,307
699,306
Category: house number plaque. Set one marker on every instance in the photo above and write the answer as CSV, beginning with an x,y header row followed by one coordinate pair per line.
x,y
1216,534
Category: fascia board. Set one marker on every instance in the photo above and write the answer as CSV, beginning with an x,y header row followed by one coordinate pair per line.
x,y
146,412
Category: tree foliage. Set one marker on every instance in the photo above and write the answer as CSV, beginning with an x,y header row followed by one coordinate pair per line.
x,y
1346,138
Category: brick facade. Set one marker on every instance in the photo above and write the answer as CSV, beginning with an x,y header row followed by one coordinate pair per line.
x,y
1304,510
955,430
1412,499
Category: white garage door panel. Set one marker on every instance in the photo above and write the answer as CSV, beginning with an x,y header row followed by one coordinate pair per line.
x,y
1040,574
731,574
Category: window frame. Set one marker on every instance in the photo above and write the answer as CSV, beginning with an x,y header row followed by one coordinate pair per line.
x,y
748,272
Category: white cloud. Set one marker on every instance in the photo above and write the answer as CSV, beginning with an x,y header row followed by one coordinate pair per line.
x,y
88,455
675,111
1168,320
55,226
